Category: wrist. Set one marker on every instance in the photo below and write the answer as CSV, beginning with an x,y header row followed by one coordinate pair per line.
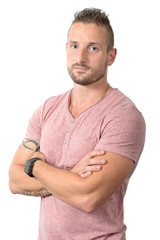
x,y
28,169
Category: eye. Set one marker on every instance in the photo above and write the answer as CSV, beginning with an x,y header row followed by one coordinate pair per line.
x,y
93,49
74,46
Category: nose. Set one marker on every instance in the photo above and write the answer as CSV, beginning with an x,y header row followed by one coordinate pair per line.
x,y
81,56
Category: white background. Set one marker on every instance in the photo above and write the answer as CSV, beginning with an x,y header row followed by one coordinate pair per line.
x,y
33,68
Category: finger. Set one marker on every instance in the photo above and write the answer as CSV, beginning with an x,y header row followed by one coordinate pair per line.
x,y
86,174
95,168
93,161
89,169
95,153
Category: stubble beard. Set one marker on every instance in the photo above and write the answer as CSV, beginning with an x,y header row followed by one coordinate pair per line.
x,y
94,76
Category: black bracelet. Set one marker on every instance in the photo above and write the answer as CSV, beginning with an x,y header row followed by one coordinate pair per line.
x,y
29,165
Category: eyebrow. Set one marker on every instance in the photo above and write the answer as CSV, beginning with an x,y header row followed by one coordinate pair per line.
x,y
72,42
90,43
94,43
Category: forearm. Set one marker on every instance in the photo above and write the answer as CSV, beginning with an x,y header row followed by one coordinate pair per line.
x,y
65,185
21,183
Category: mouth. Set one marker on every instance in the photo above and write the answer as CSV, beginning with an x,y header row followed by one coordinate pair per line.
x,y
80,67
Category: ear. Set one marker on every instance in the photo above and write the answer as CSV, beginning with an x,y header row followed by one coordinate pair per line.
x,y
111,56
66,45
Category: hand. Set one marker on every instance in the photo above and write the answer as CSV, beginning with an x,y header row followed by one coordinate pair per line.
x,y
89,164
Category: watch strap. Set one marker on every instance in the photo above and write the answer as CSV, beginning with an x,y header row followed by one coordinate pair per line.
x,y
32,160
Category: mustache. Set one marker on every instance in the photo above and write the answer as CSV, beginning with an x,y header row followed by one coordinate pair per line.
x,y
80,65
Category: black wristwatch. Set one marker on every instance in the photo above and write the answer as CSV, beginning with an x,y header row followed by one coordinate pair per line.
x,y
29,166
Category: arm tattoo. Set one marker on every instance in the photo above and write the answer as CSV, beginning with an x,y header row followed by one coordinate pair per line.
x,y
43,193
26,141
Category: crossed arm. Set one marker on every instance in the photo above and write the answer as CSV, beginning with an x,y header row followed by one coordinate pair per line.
x,y
86,192
20,183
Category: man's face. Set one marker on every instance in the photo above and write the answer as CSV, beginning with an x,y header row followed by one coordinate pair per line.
x,y
87,53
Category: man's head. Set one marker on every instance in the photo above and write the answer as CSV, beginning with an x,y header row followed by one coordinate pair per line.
x,y
90,47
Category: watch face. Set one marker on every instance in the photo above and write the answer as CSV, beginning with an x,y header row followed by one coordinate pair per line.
x,y
28,168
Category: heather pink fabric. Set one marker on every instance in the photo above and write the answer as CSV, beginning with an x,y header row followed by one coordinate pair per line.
x,y
113,124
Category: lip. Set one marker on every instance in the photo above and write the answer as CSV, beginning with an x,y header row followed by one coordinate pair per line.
x,y
80,68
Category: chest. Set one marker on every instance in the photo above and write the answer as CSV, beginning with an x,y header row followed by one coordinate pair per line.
x,y
65,140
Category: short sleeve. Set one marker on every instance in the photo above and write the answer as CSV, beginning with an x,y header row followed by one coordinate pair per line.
x,y
124,134
35,125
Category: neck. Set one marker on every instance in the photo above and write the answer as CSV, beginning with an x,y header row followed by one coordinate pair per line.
x,y
85,96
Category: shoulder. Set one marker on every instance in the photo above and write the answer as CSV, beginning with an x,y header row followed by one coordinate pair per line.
x,y
123,128
53,102
56,99
118,100
122,107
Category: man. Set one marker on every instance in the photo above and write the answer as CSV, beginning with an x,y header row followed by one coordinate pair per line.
x,y
90,141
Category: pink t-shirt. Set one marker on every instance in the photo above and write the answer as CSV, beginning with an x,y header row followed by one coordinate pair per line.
x,y
113,124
